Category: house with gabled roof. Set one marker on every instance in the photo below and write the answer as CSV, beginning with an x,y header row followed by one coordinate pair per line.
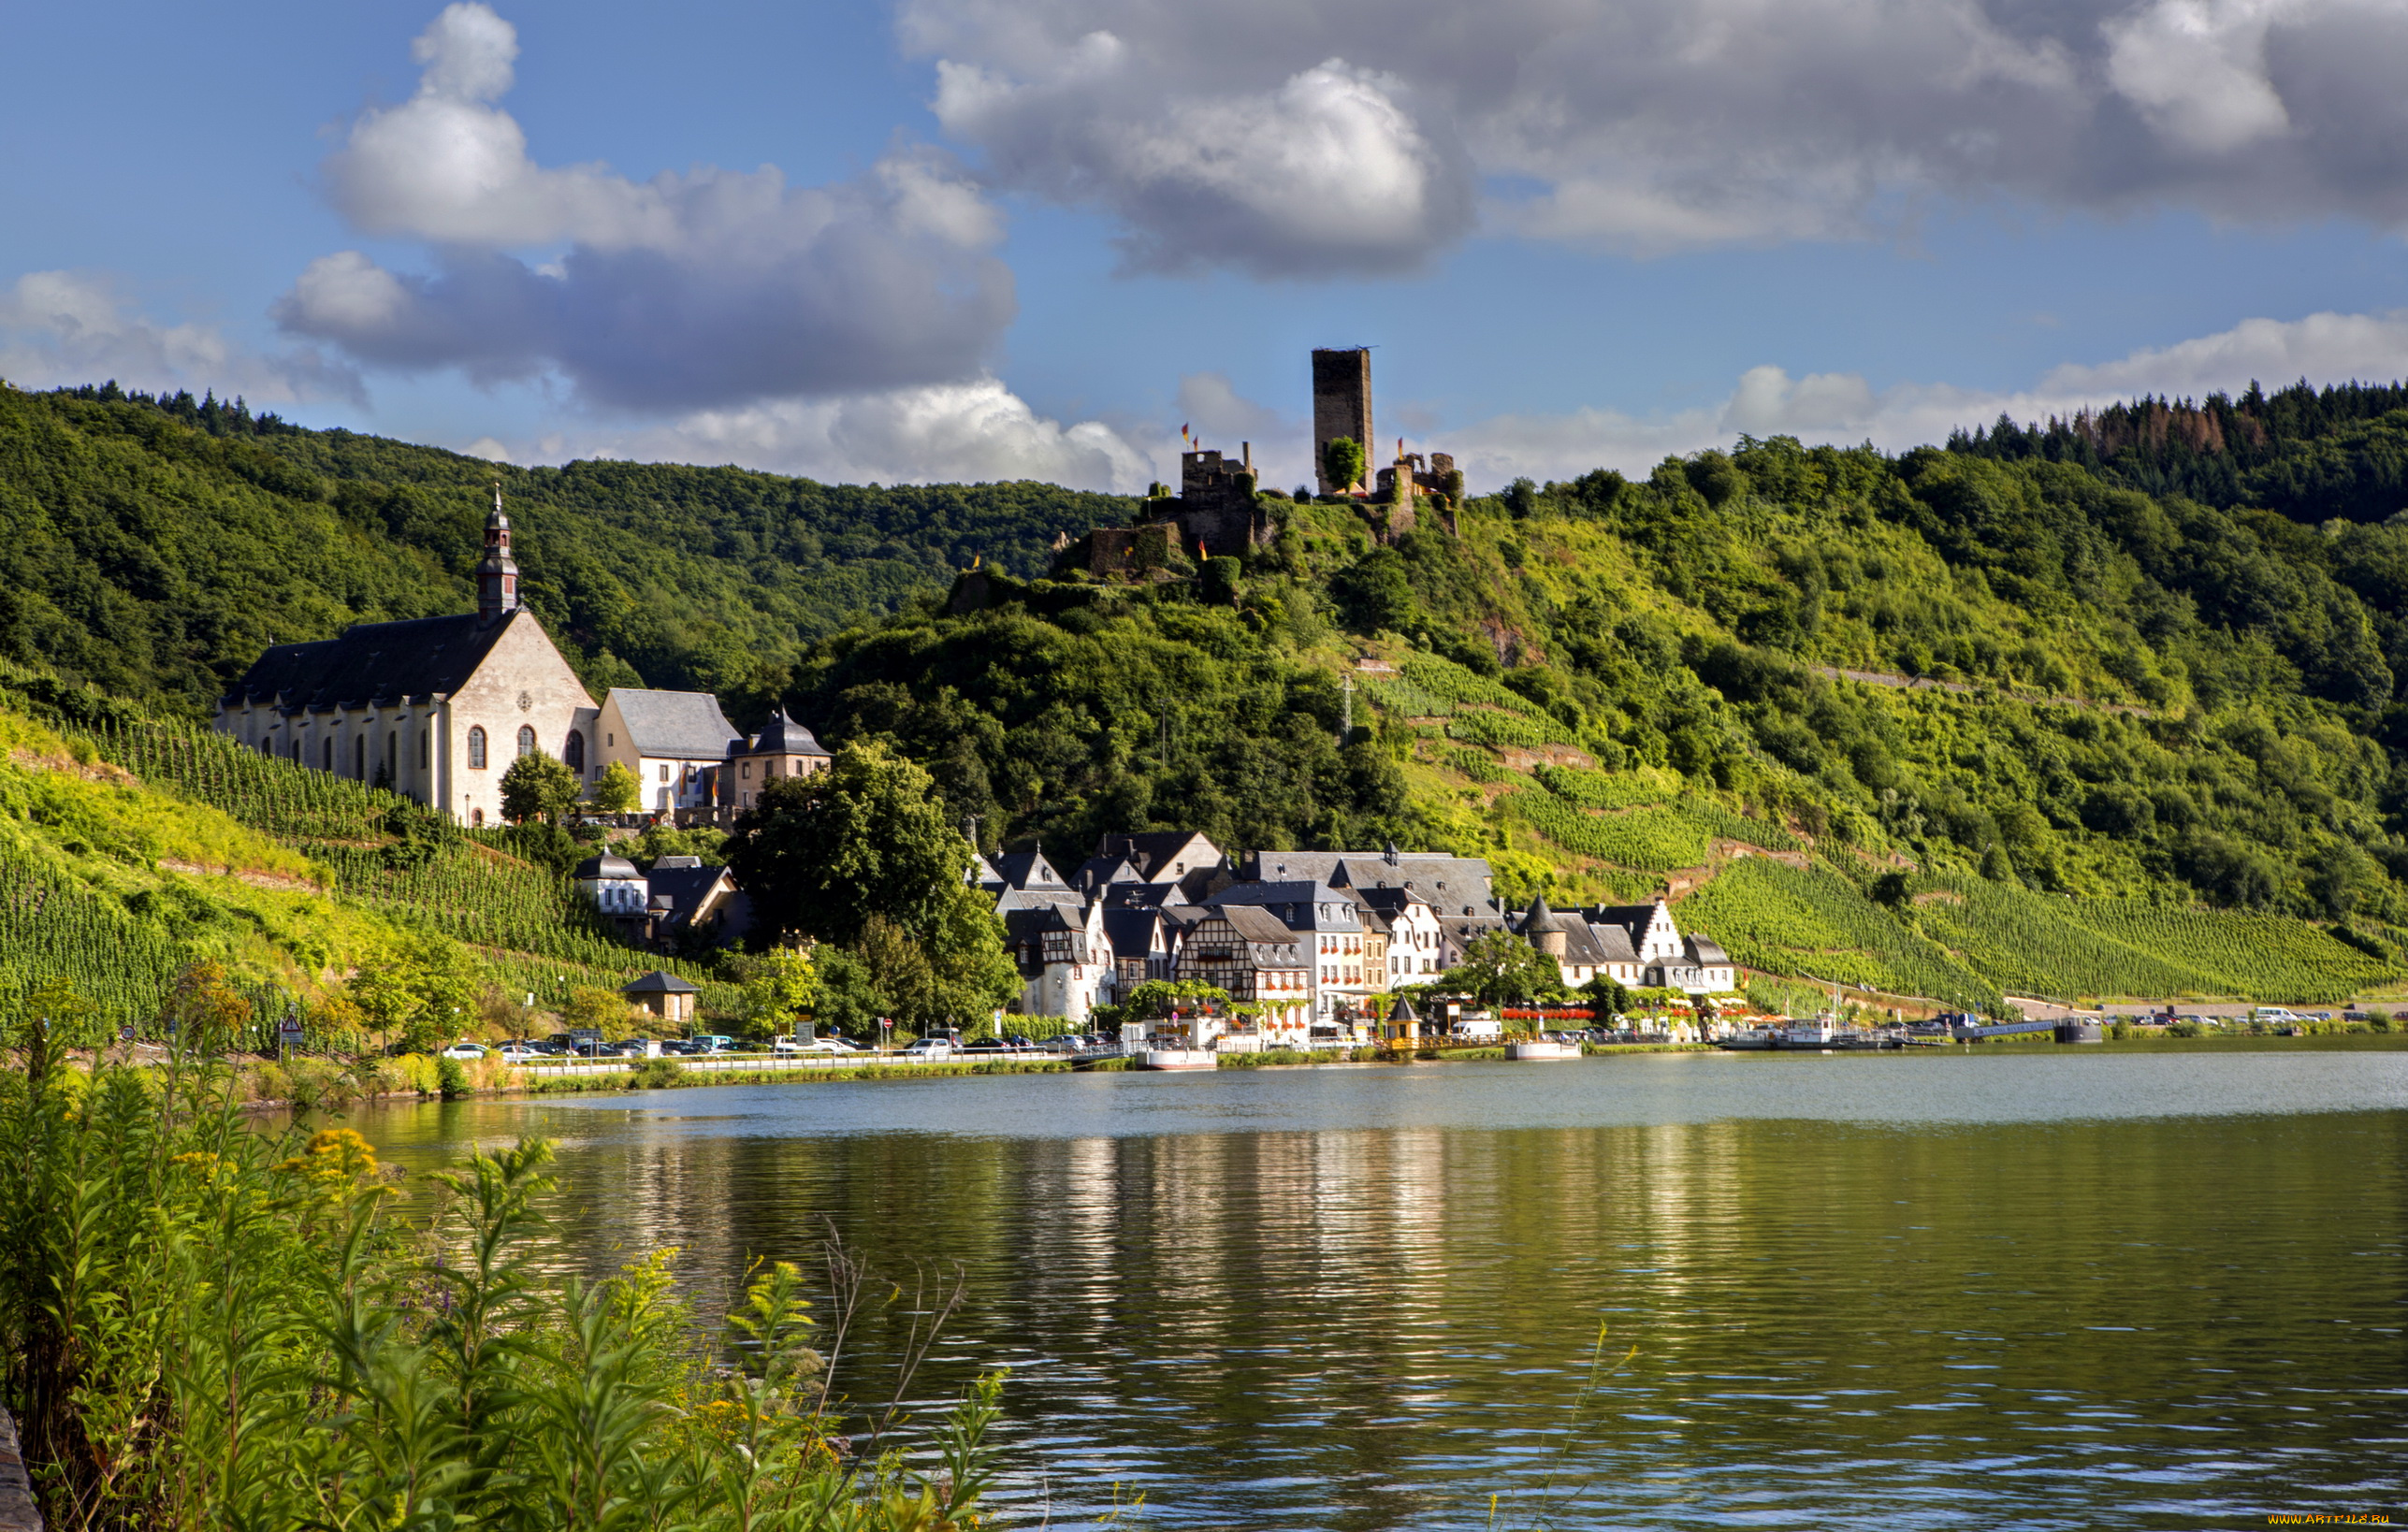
x,y
782,749
674,742
1258,958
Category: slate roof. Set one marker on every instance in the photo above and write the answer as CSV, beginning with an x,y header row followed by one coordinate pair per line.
x,y
1613,944
685,887
783,736
1296,903
1259,929
1026,870
373,664
680,725
604,867
1705,952
1155,850
1451,884
659,983
1134,933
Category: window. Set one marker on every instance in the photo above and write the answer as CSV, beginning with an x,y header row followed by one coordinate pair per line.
x,y
327,753
745,770
476,816
664,770
610,741
422,749
572,754
359,757
525,740
266,747
476,758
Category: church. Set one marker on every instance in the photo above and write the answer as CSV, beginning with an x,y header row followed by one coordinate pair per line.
x,y
435,708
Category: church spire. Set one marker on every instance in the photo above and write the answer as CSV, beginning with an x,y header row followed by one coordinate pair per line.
x,y
496,573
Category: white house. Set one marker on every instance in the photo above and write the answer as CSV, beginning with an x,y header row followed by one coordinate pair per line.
x,y
674,742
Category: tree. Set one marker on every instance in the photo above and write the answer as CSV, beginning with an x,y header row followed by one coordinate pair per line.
x,y
617,790
418,997
1500,966
780,987
1606,996
974,975
536,786
204,1010
593,1008
1156,997
1341,464
823,854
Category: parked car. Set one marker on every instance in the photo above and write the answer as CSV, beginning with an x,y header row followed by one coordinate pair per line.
x,y
929,1048
714,1042
989,1045
465,1050
520,1052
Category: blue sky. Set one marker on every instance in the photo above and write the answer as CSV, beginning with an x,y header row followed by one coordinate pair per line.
x,y
964,238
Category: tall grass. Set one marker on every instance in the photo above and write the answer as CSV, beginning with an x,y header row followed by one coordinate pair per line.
x,y
204,1326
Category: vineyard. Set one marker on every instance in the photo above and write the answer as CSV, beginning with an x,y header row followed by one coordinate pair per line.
x,y
88,894
1655,838
1641,788
2031,943
1814,924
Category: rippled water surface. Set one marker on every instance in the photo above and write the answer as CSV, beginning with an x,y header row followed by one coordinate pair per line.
x,y
2036,1288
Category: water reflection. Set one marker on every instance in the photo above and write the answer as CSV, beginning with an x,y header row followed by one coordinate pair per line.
x,y
2037,1290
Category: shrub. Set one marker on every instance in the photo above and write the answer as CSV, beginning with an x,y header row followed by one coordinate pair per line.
x,y
451,1078
656,1074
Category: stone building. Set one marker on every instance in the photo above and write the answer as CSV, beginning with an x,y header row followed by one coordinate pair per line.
x,y
435,708
783,748
1341,406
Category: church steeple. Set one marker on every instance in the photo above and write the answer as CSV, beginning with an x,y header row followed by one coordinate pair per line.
x,y
496,573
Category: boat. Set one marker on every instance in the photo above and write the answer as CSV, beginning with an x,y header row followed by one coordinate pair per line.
x,y
1808,1032
1541,1049
1175,1058
1751,1038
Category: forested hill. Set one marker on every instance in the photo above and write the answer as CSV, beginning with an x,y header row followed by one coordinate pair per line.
x,y
1873,718
155,546
2309,454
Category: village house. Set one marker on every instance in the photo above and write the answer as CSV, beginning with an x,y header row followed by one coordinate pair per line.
x,y
1258,959
674,742
783,748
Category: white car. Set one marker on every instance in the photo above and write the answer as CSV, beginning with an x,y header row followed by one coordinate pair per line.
x,y
465,1050
520,1052
929,1048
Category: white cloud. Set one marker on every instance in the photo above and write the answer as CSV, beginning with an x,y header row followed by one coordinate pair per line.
x,y
946,433
710,288
1843,407
1320,136
69,327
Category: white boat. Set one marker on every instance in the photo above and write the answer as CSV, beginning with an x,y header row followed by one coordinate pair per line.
x,y
1751,1037
1175,1058
1817,1031
1542,1050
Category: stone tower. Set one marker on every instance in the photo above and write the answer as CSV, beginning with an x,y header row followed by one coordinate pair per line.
x,y
497,572
1341,406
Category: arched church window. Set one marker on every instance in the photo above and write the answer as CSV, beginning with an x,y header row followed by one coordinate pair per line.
x,y
476,748
525,740
328,762
572,754
359,757
422,749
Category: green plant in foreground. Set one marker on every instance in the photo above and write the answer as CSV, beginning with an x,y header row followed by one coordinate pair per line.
x,y
205,1325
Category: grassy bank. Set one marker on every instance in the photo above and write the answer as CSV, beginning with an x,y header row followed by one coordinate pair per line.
x,y
206,1324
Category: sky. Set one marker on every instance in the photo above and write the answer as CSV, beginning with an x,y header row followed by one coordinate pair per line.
x,y
976,239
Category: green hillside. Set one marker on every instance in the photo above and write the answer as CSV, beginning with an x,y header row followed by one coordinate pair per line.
x,y
1958,723
132,846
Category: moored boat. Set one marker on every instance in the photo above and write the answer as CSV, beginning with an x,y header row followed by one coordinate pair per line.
x,y
1539,1049
1175,1058
1750,1038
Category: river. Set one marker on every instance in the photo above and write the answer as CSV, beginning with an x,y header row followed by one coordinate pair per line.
x,y
2039,1287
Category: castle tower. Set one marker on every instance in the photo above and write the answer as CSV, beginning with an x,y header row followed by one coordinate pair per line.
x,y
1341,406
497,572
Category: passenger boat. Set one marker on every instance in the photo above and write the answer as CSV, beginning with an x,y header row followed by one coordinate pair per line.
x,y
1751,1038
1536,1048
1175,1058
1813,1032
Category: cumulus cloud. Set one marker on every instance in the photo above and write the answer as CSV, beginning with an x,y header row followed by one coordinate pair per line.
x,y
1845,408
68,328
1317,137
961,432
710,288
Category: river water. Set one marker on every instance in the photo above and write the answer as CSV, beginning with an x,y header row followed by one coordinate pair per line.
x,y
2022,1287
